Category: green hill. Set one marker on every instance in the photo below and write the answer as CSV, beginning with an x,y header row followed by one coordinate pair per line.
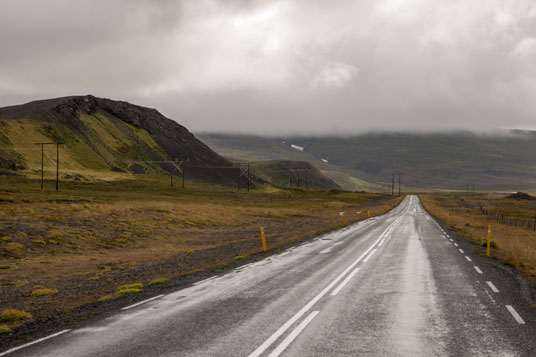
x,y
426,161
102,139
292,173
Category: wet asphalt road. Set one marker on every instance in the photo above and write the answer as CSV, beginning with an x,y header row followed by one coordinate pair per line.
x,y
391,285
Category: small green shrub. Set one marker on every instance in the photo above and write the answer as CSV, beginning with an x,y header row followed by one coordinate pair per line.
x,y
238,258
129,289
4,329
44,292
159,281
13,247
14,315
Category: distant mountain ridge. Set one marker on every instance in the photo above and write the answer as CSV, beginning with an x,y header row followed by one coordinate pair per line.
x,y
426,161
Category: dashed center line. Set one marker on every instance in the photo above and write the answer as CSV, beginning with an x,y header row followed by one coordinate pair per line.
x,y
461,250
344,282
468,259
370,255
492,287
287,341
515,315
455,244
478,270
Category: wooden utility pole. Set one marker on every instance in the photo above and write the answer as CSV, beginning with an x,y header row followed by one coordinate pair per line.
x,y
289,183
42,163
57,162
57,165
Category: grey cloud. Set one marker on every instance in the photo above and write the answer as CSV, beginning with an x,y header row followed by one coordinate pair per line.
x,y
287,66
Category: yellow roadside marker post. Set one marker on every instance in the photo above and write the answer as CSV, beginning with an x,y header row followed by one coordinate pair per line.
x,y
343,214
368,211
263,236
488,250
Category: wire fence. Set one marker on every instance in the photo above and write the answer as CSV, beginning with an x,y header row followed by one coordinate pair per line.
x,y
501,217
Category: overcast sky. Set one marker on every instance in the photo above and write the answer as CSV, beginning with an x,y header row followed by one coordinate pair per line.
x,y
282,67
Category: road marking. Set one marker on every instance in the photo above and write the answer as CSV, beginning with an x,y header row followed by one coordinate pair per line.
x,y
142,302
338,243
451,240
370,255
468,259
492,287
461,251
455,244
478,270
306,308
33,342
515,315
287,341
344,282
205,280
327,250
447,235
381,242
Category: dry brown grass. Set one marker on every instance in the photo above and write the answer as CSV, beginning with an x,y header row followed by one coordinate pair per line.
x,y
100,231
514,246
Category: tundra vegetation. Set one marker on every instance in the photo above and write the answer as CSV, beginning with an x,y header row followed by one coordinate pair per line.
x,y
91,240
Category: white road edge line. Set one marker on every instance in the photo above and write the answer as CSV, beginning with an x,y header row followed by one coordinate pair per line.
x,y
381,242
327,250
478,270
306,308
492,287
370,255
455,244
288,340
515,315
143,302
468,259
205,280
461,250
344,282
33,342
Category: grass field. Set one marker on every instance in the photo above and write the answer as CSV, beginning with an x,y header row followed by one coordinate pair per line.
x,y
60,250
513,245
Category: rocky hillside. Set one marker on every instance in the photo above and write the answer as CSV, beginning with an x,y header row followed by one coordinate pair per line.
x,y
103,139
